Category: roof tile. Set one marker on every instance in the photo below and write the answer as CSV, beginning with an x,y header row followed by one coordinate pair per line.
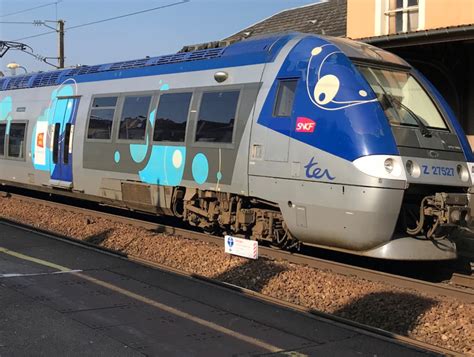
x,y
326,18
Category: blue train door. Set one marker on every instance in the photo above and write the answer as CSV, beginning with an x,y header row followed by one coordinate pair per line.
x,y
64,120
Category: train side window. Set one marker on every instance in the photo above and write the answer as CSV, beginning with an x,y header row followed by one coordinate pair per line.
x,y
217,117
134,118
16,140
171,117
101,118
3,131
285,98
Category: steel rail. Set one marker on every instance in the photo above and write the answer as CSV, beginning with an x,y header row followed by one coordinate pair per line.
x,y
421,286
352,325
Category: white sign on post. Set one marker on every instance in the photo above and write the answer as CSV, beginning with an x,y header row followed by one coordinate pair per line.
x,y
242,247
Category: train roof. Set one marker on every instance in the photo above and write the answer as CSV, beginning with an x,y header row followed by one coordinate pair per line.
x,y
251,51
368,53
254,50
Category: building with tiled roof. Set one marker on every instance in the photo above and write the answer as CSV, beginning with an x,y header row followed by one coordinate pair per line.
x,y
326,18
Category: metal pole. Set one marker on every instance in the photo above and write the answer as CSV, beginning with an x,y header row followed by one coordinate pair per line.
x,y
61,43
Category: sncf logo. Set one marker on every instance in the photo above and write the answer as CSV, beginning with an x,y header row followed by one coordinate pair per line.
x,y
305,125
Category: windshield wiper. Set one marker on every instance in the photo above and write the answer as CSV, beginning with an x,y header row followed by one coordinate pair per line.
x,y
423,128
389,99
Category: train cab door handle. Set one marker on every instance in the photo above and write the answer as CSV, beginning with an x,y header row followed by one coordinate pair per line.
x,y
67,142
56,133
256,152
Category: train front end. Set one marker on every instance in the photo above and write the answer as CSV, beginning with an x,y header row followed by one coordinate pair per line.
x,y
385,166
434,157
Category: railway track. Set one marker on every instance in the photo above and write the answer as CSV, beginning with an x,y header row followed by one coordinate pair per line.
x,y
459,287
355,326
464,280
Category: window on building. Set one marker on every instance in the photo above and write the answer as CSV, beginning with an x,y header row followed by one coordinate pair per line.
x,y
3,130
217,116
402,15
134,118
16,140
284,98
171,117
101,118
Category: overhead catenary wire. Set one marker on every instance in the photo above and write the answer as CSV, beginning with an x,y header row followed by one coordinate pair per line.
x,y
107,19
17,22
129,14
30,9
33,36
61,29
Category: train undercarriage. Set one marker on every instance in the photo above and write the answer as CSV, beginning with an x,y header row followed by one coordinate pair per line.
x,y
225,213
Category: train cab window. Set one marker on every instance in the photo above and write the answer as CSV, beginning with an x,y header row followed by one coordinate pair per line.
x,y
16,140
285,98
3,130
217,117
134,118
171,117
101,118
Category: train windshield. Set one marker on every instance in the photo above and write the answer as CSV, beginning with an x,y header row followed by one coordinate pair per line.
x,y
403,99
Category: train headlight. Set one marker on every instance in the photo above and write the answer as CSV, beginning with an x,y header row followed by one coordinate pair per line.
x,y
381,166
413,169
393,167
388,164
463,173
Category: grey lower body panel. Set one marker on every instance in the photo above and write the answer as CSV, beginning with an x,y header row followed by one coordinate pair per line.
x,y
355,219
409,248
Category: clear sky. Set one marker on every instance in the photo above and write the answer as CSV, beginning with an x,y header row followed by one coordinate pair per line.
x,y
153,33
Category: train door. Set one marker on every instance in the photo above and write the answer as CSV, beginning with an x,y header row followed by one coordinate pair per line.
x,y
61,163
270,141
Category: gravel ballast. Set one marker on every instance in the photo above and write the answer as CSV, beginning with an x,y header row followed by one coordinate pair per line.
x,y
440,321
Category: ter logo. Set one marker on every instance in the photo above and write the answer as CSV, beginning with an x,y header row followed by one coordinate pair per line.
x,y
305,125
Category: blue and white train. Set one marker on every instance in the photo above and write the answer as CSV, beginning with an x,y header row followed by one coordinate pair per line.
x,y
286,139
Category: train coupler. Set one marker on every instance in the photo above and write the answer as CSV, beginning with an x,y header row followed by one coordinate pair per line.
x,y
442,212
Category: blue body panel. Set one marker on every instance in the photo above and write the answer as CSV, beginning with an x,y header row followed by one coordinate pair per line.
x,y
350,123
66,110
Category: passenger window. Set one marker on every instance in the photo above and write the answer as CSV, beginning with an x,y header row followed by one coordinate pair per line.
x,y
134,118
16,140
105,102
3,130
285,98
101,118
217,117
171,117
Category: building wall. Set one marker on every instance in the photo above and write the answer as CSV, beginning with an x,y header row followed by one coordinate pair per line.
x,y
444,13
361,18
365,18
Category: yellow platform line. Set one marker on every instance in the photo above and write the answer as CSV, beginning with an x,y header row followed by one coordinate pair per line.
x,y
145,300
34,260
184,315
